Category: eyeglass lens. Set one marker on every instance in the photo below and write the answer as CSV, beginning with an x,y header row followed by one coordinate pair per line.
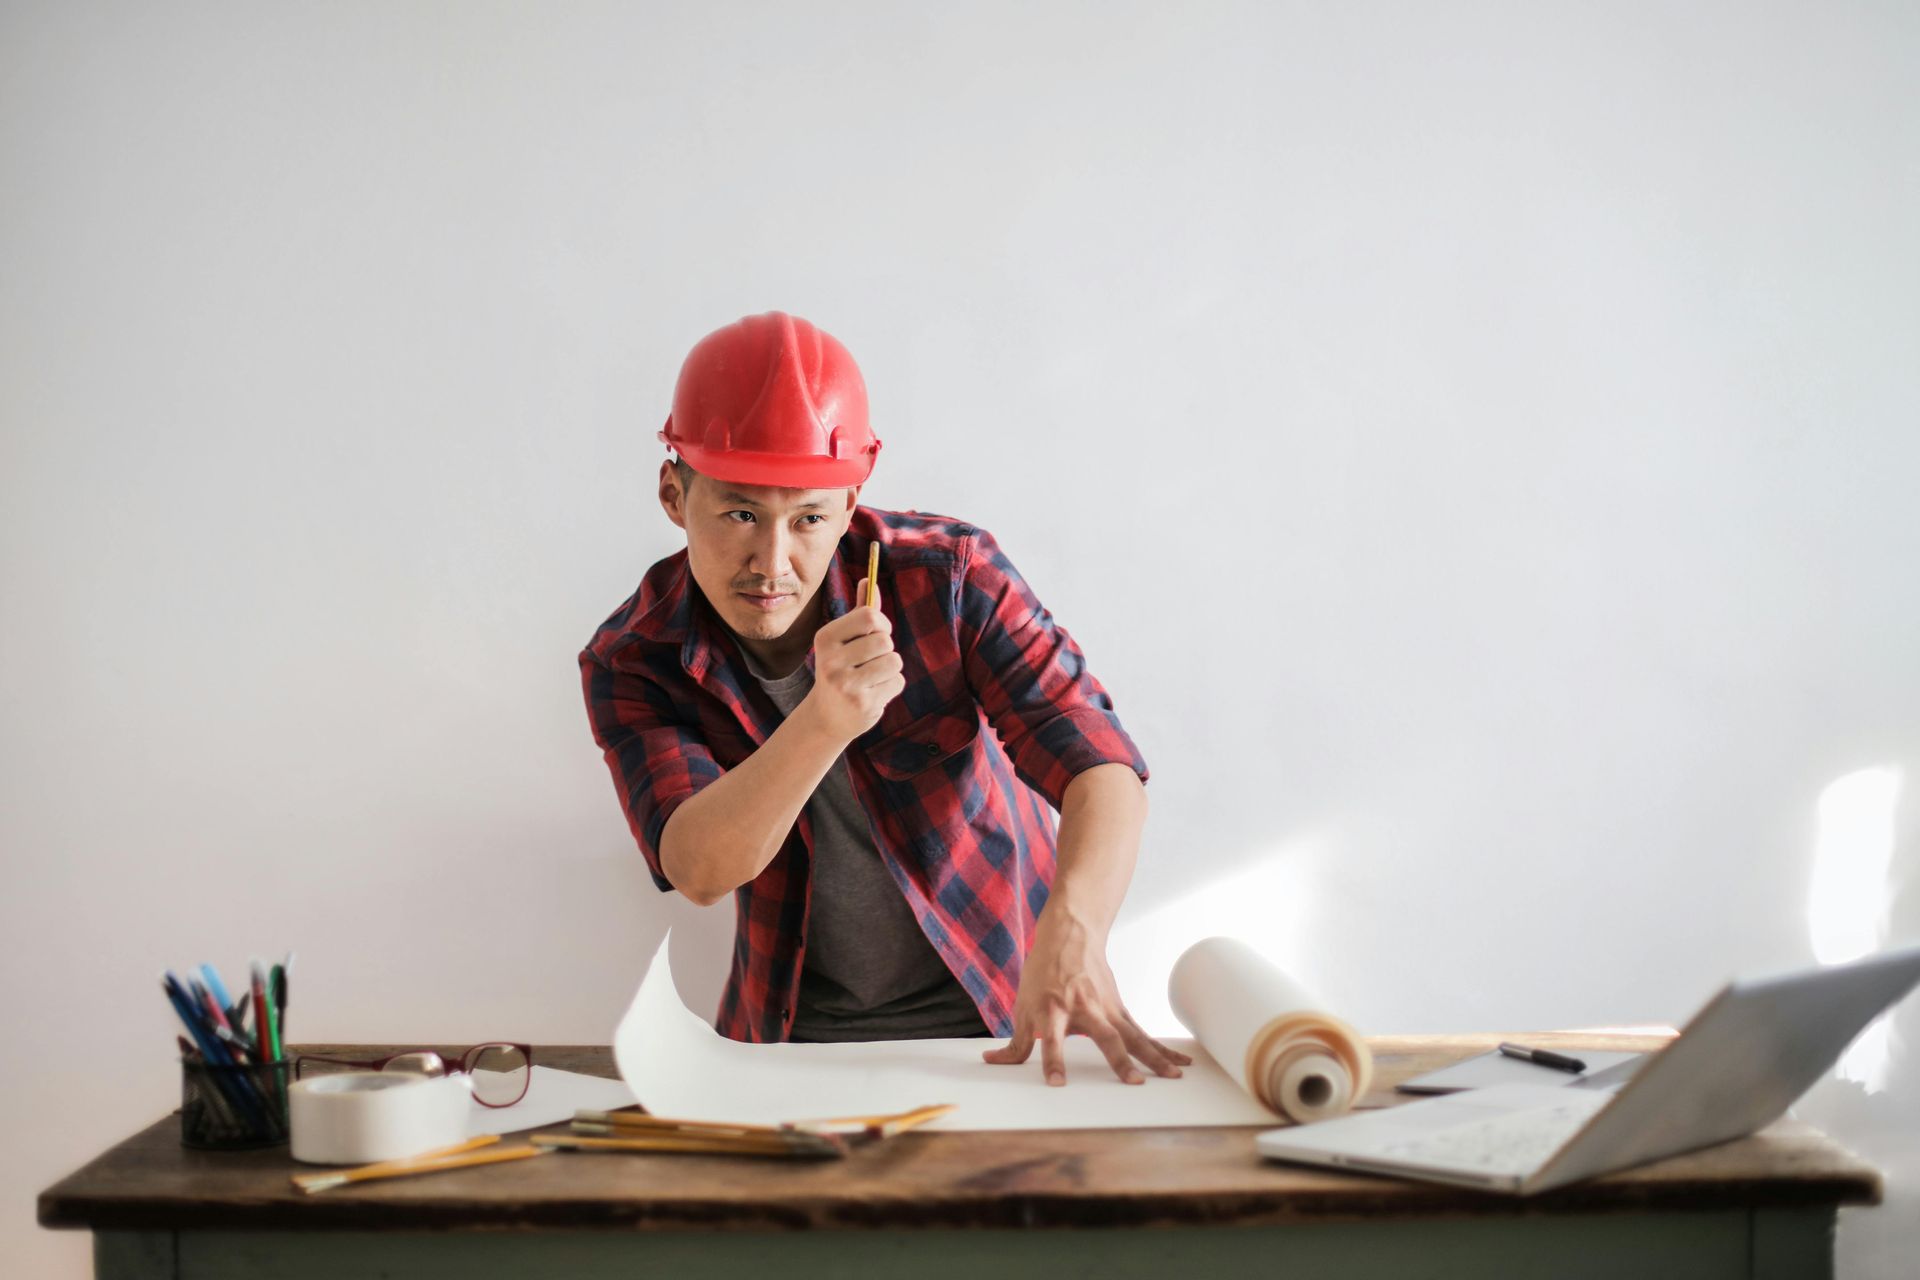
x,y
500,1073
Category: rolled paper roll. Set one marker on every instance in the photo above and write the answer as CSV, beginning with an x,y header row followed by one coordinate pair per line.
x,y
1267,1032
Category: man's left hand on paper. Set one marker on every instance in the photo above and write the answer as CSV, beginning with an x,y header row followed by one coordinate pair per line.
x,y
1067,988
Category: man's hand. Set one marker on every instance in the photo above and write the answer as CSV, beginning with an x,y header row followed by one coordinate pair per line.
x,y
1066,987
856,672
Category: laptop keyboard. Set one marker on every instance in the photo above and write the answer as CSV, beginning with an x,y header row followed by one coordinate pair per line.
x,y
1515,1143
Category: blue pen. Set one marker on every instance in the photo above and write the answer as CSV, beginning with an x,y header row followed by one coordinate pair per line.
x,y
187,997
216,986
177,994
235,1085
210,1051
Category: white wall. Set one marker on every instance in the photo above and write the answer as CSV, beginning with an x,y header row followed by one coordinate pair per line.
x,y
1475,443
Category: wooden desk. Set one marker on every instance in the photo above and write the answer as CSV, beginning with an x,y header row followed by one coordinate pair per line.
x,y
1181,1203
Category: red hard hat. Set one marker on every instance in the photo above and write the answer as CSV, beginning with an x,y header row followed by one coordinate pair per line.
x,y
772,400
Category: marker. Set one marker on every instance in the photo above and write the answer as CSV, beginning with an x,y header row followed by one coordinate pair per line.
x,y
267,1032
1544,1058
282,989
264,1019
263,996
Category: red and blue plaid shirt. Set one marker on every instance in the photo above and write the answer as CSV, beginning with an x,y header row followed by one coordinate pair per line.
x,y
959,815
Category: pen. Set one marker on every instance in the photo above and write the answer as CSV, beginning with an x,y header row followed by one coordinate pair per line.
x,y
217,1096
216,986
263,1020
1544,1058
182,1006
281,997
265,1032
212,1052
217,1020
276,996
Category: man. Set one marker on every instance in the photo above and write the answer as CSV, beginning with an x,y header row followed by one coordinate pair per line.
x,y
775,735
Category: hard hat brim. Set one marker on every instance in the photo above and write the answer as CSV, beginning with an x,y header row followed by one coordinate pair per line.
x,y
780,470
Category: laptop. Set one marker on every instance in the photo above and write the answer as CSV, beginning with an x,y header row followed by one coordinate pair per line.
x,y
1736,1067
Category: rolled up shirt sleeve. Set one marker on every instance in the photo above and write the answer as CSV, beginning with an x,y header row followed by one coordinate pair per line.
x,y
1052,716
657,760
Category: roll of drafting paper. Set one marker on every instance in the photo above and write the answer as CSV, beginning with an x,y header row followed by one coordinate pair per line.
x,y
1266,1031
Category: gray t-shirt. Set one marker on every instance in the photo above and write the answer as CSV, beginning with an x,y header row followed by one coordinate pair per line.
x,y
869,972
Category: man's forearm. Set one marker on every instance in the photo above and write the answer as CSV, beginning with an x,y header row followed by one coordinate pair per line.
x,y
1101,815
725,836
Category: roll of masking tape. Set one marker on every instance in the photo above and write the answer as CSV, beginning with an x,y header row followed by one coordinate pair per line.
x,y
358,1117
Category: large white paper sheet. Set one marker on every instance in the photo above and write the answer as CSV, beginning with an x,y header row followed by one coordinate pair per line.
x,y
552,1097
679,1067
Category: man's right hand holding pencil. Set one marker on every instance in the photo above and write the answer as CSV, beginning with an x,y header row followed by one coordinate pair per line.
x,y
856,671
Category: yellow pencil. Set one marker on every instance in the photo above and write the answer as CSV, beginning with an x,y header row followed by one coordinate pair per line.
x,y
637,1120
777,1139
873,573
461,1157
882,1126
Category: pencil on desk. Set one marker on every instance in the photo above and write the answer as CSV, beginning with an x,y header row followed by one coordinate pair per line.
x,y
633,1126
320,1181
640,1120
324,1181
878,1126
884,1126
637,1131
717,1144
464,1156
659,1133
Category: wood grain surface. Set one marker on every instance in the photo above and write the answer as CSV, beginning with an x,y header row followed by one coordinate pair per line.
x,y
1056,1178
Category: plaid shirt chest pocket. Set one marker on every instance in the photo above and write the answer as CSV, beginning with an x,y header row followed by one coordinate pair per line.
x,y
934,777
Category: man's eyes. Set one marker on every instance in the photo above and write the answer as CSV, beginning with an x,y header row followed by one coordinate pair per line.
x,y
749,518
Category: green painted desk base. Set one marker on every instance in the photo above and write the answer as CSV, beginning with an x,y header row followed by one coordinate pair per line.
x,y
1749,1244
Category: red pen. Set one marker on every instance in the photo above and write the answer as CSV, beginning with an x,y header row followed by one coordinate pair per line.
x,y
261,1015
219,1016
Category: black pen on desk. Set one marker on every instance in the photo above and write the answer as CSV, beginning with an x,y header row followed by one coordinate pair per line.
x,y
1544,1058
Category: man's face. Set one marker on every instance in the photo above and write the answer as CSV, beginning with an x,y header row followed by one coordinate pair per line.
x,y
759,552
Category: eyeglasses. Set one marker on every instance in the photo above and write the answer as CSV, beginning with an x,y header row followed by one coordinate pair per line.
x,y
498,1071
